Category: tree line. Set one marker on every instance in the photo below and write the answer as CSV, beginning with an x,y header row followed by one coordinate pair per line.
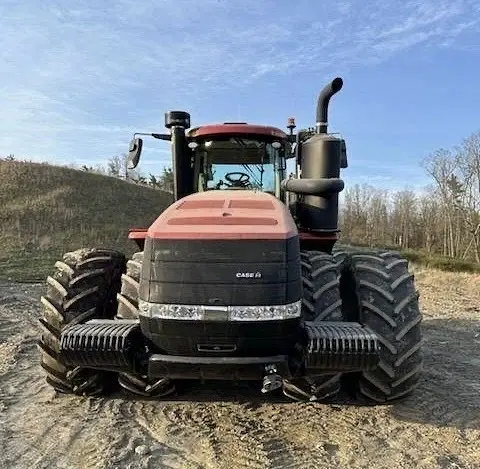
x,y
443,219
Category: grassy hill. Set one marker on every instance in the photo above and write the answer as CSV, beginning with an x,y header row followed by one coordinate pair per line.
x,y
47,210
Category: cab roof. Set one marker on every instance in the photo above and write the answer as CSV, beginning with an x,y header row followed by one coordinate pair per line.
x,y
236,128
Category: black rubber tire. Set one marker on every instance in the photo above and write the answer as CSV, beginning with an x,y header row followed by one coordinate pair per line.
x,y
339,253
139,385
83,287
128,296
379,291
321,302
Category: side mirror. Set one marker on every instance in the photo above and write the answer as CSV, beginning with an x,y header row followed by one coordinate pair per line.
x,y
134,152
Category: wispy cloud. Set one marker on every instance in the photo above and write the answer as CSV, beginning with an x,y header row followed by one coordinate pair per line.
x,y
78,77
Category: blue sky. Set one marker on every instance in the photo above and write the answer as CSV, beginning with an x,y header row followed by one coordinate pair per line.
x,y
79,77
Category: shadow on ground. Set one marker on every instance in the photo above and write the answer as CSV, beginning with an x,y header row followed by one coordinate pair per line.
x,y
449,392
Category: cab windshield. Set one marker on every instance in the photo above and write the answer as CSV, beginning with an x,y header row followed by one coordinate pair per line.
x,y
241,163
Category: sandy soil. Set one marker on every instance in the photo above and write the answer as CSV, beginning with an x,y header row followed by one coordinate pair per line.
x,y
235,427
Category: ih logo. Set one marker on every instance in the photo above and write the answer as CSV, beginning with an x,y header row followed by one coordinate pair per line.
x,y
248,275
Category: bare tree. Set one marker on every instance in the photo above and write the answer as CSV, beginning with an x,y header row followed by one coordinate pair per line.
x,y
118,167
441,166
115,166
430,220
404,218
468,160
165,180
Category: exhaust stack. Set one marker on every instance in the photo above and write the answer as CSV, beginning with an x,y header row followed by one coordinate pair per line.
x,y
320,159
322,104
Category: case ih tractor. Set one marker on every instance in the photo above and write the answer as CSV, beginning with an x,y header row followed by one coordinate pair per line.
x,y
239,279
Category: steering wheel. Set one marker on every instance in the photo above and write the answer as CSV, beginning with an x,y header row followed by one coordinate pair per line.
x,y
242,181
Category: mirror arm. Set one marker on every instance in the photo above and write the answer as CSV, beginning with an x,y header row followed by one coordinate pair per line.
x,y
154,135
167,137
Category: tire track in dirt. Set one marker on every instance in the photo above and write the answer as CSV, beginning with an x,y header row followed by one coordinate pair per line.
x,y
237,440
150,438
40,430
37,430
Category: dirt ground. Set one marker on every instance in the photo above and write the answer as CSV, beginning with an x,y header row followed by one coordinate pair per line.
x,y
235,427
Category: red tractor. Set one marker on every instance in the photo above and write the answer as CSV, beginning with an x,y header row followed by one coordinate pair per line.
x,y
239,279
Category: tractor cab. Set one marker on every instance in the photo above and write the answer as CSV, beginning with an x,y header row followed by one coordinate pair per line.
x,y
246,157
228,156
238,156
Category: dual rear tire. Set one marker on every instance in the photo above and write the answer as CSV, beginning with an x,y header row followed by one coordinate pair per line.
x,y
90,284
376,289
83,286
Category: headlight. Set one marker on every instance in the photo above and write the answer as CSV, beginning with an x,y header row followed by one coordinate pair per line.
x,y
265,313
220,313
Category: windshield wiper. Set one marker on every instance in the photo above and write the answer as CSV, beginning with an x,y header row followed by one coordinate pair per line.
x,y
254,175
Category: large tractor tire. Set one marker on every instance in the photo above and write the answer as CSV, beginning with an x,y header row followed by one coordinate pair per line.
x,y
83,287
379,291
321,302
128,309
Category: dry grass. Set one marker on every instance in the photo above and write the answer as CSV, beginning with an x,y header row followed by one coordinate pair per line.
x,y
46,210
452,294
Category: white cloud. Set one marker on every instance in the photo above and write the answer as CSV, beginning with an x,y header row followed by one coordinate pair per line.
x,y
78,77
